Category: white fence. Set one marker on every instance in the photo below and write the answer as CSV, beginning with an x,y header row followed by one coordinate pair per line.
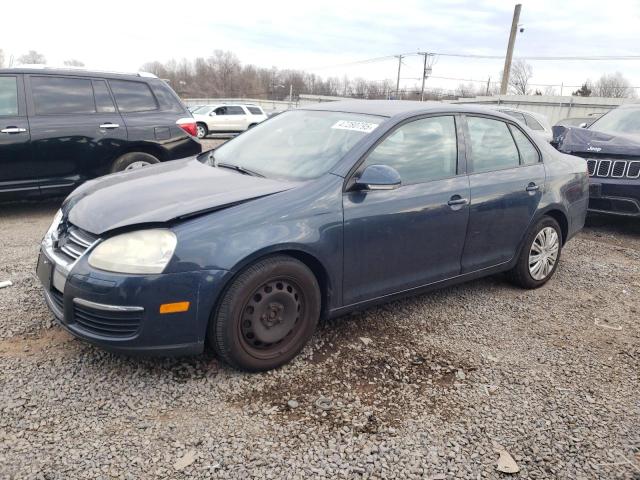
x,y
553,107
267,105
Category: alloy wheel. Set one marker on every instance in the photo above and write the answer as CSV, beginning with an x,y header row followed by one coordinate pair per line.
x,y
543,254
136,165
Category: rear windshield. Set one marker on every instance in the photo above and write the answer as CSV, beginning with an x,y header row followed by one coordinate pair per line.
x,y
297,145
619,120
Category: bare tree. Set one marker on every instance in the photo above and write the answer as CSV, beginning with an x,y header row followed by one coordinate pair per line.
x,y
585,90
73,63
466,90
32,58
521,73
613,85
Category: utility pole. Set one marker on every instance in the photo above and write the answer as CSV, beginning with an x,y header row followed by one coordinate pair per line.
x,y
398,82
512,41
290,94
488,86
424,77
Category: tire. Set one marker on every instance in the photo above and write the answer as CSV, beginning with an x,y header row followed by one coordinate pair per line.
x,y
202,130
267,315
132,161
526,274
251,126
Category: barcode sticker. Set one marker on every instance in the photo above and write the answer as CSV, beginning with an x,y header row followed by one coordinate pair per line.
x,y
355,126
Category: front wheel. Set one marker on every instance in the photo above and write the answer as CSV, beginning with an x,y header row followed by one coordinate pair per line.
x,y
267,315
540,255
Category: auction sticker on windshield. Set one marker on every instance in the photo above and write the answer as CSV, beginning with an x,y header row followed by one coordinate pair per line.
x,y
364,127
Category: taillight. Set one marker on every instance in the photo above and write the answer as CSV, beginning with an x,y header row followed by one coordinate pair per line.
x,y
188,125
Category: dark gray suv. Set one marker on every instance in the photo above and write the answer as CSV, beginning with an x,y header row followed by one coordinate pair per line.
x,y
60,127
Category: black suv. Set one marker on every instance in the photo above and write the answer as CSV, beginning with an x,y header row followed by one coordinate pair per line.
x,y
61,127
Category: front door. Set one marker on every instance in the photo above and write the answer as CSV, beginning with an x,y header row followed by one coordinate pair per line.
x,y
75,133
399,239
17,176
506,180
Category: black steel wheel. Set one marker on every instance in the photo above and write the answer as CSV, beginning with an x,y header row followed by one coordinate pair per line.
x,y
267,315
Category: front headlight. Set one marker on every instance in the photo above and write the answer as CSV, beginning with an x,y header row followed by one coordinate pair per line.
x,y
142,251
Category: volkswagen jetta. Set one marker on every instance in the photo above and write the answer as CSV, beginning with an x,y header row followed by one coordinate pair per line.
x,y
310,214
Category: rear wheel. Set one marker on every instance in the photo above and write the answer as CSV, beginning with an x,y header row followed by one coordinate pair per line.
x,y
267,315
202,130
540,255
133,161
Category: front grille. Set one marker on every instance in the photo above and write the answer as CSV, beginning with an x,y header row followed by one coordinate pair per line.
x,y
106,323
613,168
604,166
72,242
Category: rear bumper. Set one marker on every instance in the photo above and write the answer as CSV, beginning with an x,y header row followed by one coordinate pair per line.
x,y
615,196
121,313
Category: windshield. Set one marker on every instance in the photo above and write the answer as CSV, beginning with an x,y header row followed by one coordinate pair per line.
x,y
202,110
619,120
296,145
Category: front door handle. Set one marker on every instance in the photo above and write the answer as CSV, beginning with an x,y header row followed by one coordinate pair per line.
x,y
457,200
13,130
532,187
109,125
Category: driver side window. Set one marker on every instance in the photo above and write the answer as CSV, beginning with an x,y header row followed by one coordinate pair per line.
x,y
421,151
221,111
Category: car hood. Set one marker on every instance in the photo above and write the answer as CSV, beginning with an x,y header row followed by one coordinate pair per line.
x,y
161,193
578,140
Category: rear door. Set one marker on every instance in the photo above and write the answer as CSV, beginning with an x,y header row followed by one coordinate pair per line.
x,y
16,168
76,132
237,118
506,178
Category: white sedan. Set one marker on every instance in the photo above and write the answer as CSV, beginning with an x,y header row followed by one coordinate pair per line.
x,y
227,118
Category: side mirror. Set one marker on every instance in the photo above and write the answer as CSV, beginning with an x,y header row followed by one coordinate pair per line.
x,y
583,125
378,177
212,114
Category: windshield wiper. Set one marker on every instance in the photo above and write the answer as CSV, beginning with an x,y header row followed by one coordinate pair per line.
x,y
240,169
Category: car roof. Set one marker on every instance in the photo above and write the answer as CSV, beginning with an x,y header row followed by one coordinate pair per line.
x,y
73,71
390,108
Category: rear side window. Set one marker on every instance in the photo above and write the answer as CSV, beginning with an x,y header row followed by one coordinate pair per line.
x,y
516,115
492,146
532,123
133,96
528,153
421,151
60,95
165,96
104,102
235,111
255,110
8,96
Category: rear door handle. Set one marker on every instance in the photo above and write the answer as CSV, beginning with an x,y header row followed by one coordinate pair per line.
x,y
457,200
13,130
109,125
532,187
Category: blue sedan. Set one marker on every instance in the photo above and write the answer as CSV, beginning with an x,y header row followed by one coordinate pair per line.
x,y
311,214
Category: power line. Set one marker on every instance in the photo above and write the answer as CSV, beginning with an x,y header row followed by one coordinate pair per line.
x,y
487,57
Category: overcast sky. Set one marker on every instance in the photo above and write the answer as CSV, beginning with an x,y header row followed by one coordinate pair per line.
x,y
323,35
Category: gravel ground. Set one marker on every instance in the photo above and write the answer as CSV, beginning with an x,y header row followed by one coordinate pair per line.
x,y
429,387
